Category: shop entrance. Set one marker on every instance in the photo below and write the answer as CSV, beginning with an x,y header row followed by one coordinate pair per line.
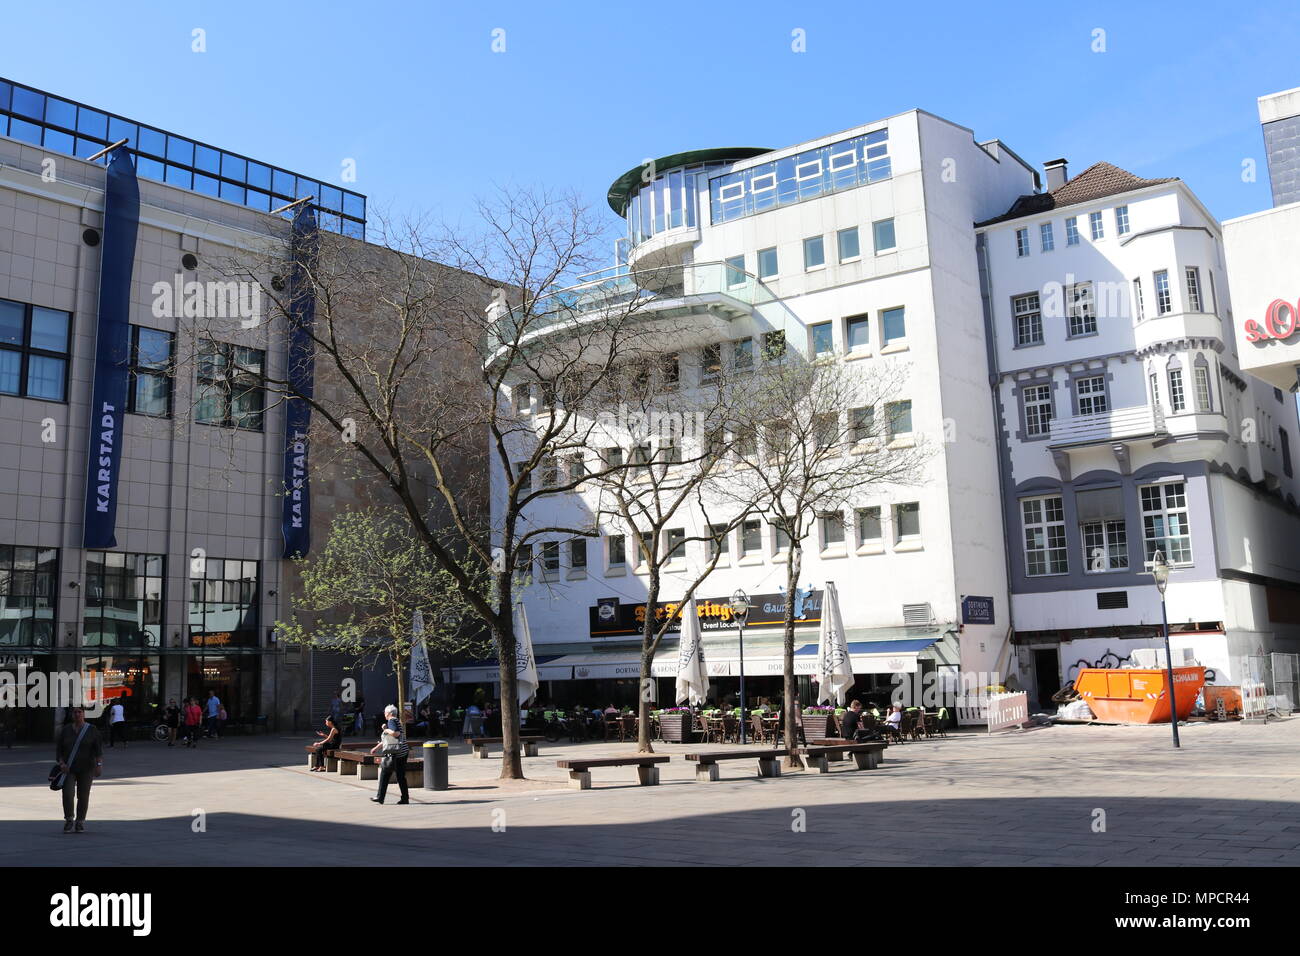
x,y
1047,675
236,680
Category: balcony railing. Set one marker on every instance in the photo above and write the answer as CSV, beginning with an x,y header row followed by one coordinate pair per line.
x,y
625,294
1138,421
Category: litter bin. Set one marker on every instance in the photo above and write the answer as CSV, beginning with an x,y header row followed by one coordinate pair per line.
x,y
435,765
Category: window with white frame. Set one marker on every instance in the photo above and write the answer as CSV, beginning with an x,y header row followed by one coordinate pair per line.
x,y
767,263
719,541
1164,303
832,529
1028,315
907,521
1155,390
1121,220
751,538
1177,397
814,253
1038,409
1102,530
846,241
676,544
523,398
780,539
862,422
742,354
869,530
857,332
1044,525
1193,289
1164,522
1095,227
551,558
882,235
1045,239
646,544
1080,312
1090,394
578,554
1072,230
1022,243
617,550
1138,310
1204,398
898,418
893,325
823,339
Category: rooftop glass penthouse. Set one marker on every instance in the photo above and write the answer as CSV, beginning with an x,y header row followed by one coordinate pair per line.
x,y
63,126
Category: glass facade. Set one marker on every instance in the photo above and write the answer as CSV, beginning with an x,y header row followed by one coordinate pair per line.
x,y
124,600
223,606
807,175
63,126
666,202
28,577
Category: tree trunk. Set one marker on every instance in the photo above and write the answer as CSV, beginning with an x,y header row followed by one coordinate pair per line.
x,y
649,626
792,761
512,767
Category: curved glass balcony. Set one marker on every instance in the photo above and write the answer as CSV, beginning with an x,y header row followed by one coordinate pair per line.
x,y
623,296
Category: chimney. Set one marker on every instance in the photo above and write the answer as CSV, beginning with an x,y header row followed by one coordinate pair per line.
x,y
1057,174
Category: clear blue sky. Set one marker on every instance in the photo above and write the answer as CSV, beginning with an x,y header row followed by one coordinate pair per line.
x,y
585,90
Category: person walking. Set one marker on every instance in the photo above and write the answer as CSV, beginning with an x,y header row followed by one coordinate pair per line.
x,y
117,723
392,744
214,715
193,718
80,756
172,720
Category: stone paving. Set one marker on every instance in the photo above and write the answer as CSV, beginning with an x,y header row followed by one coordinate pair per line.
x,y
1231,795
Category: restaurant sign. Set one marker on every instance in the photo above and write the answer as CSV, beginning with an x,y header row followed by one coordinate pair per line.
x,y
610,618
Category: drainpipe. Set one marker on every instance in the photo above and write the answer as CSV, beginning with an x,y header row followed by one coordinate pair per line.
x,y
991,355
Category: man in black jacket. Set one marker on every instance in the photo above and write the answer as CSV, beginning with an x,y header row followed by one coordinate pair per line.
x,y
79,769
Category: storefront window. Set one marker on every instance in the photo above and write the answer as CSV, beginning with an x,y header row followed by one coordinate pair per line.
x,y
134,680
223,603
27,581
236,679
124,600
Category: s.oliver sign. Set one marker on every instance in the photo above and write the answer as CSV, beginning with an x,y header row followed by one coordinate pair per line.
x,y
1279,322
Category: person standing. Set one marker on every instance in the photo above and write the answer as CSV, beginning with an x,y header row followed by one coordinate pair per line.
x,y
80,756
117,723
393,744
172,720
214,714
193,718
359,716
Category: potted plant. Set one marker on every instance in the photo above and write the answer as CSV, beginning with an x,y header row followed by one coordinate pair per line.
x,y
675,725
817,722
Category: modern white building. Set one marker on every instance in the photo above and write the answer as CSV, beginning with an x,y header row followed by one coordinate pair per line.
x,y
1130,422
859,243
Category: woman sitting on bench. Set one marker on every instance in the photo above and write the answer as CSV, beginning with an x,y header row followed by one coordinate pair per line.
x,y
329,742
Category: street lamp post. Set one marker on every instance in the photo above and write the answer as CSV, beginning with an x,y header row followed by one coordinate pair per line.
x,y
1160,572
740,610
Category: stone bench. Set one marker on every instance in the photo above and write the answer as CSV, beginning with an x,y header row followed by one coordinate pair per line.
x,y
481,744
707,763
647,770
866,756
366,766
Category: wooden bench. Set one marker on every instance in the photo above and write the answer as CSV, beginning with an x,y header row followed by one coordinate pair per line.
x,y
331,761
352,763
481,744
867,755
646,770
707,763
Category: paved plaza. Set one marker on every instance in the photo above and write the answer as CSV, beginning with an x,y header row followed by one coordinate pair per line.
x,y
1042,797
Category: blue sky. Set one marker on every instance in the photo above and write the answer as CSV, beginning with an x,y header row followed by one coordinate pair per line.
x,y
583,91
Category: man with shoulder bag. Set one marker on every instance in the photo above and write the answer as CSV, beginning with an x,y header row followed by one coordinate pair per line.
x,y
80,756
394,750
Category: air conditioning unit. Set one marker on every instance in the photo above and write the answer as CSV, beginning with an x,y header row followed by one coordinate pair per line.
x,y
917,615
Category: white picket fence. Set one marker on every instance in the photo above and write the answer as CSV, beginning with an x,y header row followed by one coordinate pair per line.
x,y
993,711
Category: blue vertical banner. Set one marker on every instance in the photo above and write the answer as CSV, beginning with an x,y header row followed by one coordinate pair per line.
x,y
112,352
295,521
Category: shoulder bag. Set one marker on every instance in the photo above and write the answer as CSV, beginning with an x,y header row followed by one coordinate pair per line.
x,y
57,775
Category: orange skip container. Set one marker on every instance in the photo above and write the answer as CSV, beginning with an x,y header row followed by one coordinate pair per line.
x,y
1135,696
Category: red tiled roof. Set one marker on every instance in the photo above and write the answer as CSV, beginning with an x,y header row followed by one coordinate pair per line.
x,y
1096,182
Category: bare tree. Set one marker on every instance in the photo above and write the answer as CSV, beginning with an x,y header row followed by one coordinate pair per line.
x,y
451,369
812,438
